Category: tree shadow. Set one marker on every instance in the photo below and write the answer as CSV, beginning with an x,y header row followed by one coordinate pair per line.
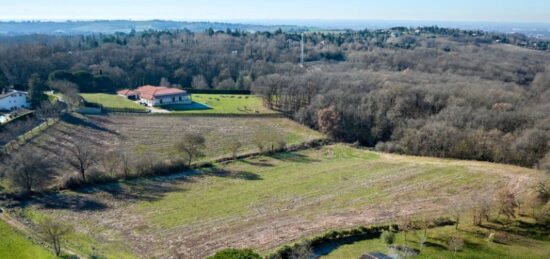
x,y
61,201
258,163
150,190
521,228
435,245
73,120
219,172
293,157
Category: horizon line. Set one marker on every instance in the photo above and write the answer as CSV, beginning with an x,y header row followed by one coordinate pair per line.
x,y
275,20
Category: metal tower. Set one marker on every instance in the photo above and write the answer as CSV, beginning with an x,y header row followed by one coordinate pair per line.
x,y
302,52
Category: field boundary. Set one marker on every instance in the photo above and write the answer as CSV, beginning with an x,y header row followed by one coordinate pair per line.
x,y
32,235
25,137
316,143
336,238
198,114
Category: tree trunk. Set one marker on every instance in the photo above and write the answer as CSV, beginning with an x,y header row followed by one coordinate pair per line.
x,y
57,247
83,174
457,222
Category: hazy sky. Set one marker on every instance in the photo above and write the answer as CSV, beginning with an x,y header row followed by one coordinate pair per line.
x,y
432,10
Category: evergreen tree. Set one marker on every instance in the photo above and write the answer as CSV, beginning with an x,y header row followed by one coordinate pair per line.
x,y
36,90
4,83
240,82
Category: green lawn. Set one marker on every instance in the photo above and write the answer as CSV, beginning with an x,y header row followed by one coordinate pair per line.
x,y
476,245
223,104
268,201
16,245
113,101
202,104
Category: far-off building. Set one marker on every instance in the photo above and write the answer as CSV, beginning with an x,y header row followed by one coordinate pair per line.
x,y
157,95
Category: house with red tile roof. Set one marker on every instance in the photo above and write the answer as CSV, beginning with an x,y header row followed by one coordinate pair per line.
x,y
157,95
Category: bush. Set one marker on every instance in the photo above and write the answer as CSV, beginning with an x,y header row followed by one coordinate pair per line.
x,y
231,253
499,237
441,222
360,233
543,216
388,237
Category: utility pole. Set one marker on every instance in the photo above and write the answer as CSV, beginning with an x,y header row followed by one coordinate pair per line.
x,y
302,52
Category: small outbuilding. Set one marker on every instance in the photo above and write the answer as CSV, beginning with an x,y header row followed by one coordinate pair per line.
x,y
130,94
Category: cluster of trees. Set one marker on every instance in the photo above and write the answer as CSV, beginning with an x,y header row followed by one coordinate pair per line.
x,y
423,91
230,59
426,109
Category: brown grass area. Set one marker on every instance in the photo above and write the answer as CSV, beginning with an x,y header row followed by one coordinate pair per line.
x,y
266,202
155,136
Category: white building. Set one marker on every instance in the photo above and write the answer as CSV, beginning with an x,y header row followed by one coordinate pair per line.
x,y
157,95
13,100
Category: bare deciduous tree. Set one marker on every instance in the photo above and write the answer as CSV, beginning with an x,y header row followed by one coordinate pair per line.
x,y
260,140
81,156
69,91
48,110
406,225
507,203
481,208
199,82
234,147
125,164
457,211
54,231
456,244
542,189
111,163
328,120
30,170
191,146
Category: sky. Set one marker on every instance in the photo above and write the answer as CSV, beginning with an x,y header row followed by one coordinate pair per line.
x,y
232,10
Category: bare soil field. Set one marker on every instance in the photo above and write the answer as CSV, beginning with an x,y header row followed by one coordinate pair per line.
x,y
265,202
155,137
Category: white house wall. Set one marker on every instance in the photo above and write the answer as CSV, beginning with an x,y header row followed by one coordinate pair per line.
x,y
14,101
167,100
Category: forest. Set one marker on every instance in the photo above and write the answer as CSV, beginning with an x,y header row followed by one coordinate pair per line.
x,y
424,91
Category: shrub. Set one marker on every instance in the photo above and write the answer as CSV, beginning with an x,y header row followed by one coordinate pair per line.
x,y
499,237
388,237
441,222
456,244
360,233
231,253
543,216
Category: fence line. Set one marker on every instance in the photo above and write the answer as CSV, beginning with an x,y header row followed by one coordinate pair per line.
x,y
23,138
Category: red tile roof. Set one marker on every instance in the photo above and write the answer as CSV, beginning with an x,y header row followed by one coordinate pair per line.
x,y
150,92
127,92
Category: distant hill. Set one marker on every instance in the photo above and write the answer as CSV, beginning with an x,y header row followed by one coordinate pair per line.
x,y
126,26
537,30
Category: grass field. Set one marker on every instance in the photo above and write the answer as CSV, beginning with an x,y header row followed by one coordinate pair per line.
x,y
113,101
476,245
268,201
223,104
15,245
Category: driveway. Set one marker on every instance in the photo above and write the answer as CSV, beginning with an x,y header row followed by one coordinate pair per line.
x,y
157,110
